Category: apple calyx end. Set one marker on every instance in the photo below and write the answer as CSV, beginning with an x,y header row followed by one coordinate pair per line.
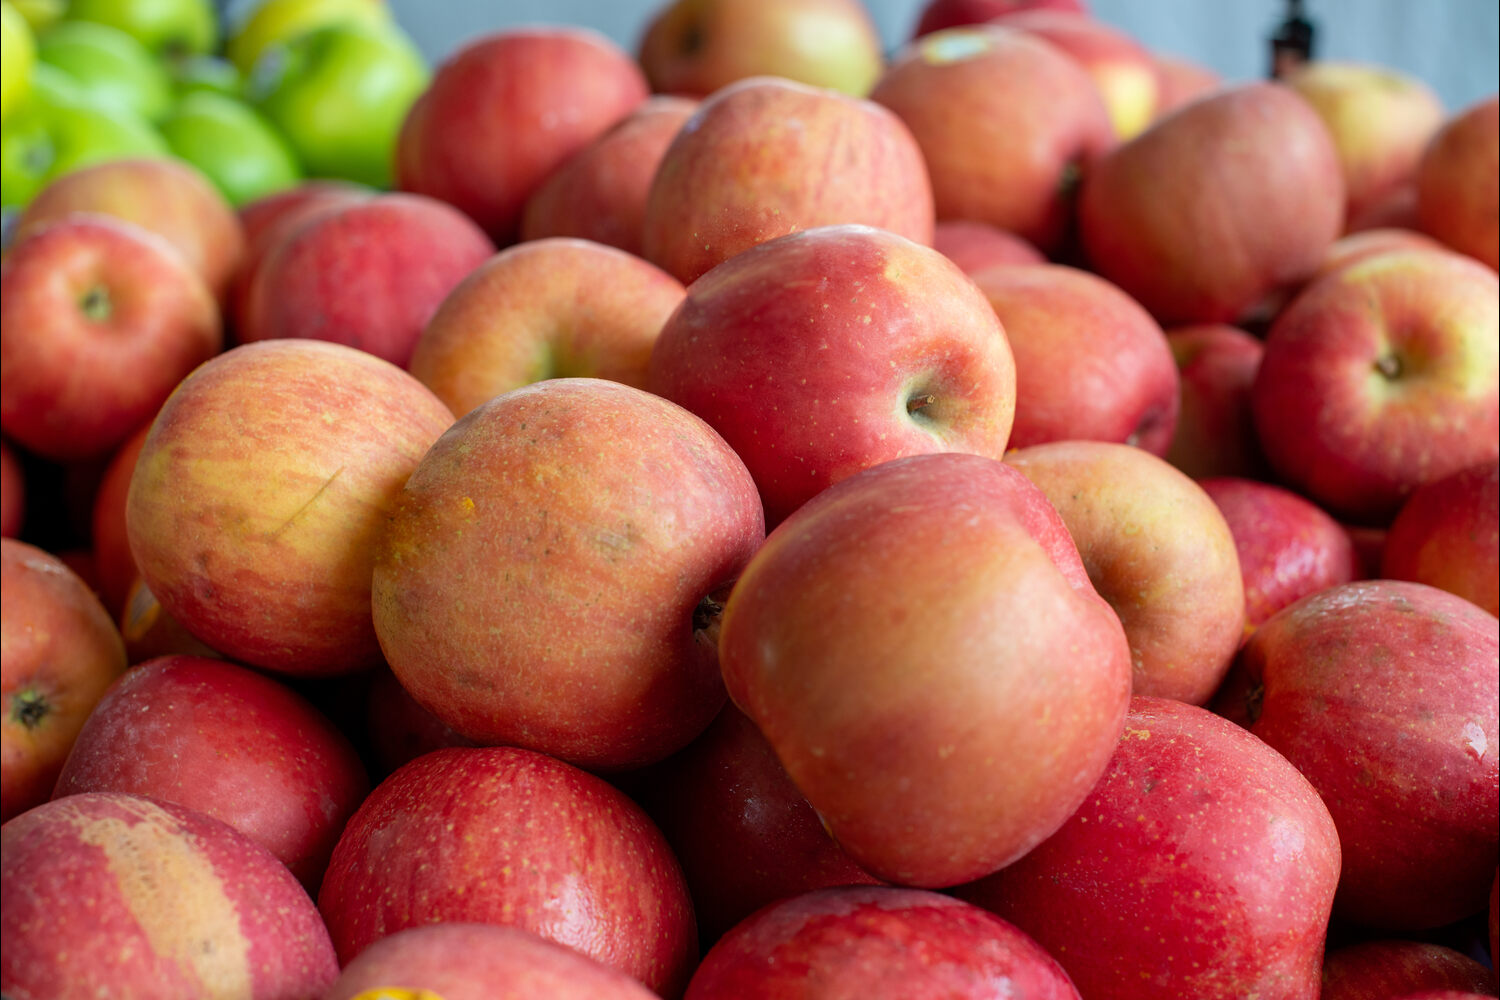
x,y
96,304
29,708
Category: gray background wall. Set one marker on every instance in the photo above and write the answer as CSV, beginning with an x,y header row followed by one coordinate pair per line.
x,y
1452,44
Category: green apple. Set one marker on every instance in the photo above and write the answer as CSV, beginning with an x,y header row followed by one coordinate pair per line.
x,y
172,28
232,145
55,130
339,94
113,70
276,21
17,53
206,73
40,13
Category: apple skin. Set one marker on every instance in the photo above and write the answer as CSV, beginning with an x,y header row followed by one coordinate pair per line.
x,y
278,21
744,835
766,157
369,273
548,575
99,321
1384,969
1158,550
466,961
1005,121
939,14
267,762
975,246
59,653
833,349
508,836
113,562
259,494
600,192
270,220
555,307
1381,121
1181,81
1356,246
150,631
1215,434
1288,546
1384,694
168,28
166,196
1202,866
399,729
1396,210
1379,377
112,71
890,722
1091,364
12,492
695,47
507,109
178,904
1220,203
1448,535
1457,179
1121,67
877,941
232,144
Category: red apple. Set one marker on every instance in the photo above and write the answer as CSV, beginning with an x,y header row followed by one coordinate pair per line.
x,y
262,758
1121,67
1382,376
1158,550
463,961
112,559
267,221
259,494
974,246
1448,535
1385,695
1288,546
1369,548
1357,246
12,492
1457,181
1215,434
766,157
1006,123
549,575
59,653
1091,364
1383,970
117,895
548,308
149,630
939,14
905,630
1201,867
694,47
99,321
865,941
166,196
399,729
1397,209
744,835
1182,81
507,836
600,192
1216,205
822,353
505,110
368,272
1380,118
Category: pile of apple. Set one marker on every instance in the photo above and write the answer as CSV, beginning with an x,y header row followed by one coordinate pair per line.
x,y
297,88
761,519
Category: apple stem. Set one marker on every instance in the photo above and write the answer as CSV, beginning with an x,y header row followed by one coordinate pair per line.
x,y
916,403
96,303
29,708
1389,366
707,617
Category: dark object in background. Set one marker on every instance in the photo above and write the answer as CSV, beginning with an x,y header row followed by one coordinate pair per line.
x,y
1292,41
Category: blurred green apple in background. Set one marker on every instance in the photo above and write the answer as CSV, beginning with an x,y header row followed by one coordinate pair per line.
x,y
339,94
171,28
113,70
206,73
54,130
232,145
39,13
17,53
276,21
